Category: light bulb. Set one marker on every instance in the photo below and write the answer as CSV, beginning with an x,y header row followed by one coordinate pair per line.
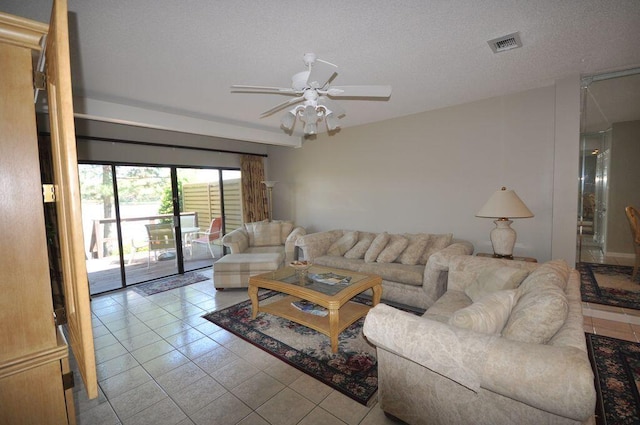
x,y
288,120
332,122
310,128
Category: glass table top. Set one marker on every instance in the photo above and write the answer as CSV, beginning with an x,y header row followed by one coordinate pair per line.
x,y
325,280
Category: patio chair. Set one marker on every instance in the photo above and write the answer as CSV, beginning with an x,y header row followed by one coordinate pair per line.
x,y
161,238
189,229
210,236
634,225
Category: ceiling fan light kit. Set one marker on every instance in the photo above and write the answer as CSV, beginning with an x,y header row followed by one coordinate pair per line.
x,y
313,92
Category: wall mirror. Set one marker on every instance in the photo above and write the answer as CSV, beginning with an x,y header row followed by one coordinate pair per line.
x,y
609,173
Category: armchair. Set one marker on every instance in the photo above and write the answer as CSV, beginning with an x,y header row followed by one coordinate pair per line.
x,y
265,237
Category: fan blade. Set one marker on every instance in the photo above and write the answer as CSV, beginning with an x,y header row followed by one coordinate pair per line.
x,y
263,89
282,105
321,73
336,109
359,91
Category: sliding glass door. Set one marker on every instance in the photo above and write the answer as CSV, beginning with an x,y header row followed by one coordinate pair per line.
x,y
99,225
149,242
200,216
148,222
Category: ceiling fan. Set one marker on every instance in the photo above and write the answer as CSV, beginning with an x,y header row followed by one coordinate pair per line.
x,y
313,93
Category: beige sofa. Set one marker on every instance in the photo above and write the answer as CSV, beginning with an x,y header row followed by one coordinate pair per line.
x,y
256,248
413,267
512,356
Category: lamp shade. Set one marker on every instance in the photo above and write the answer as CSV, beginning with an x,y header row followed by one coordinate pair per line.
x,y
504,204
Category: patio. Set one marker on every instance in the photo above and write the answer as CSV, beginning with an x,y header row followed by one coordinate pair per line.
x,y
104,273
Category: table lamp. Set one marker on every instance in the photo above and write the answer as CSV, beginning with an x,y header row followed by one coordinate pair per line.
x,y
503,205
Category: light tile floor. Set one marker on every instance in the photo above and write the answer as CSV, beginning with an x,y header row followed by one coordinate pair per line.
x,y
616,322
159,362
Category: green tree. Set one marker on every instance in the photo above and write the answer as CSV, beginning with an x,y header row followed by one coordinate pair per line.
x,y
166,201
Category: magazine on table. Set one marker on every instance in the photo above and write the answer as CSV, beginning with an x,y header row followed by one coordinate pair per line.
x,y
330,278
309,307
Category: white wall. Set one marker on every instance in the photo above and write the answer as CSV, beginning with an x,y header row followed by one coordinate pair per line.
x,y
431,172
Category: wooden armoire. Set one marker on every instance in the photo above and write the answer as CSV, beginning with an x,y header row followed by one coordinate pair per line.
x,y
35,384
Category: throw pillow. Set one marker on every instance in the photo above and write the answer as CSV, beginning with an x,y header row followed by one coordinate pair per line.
x,y
395,246
344,244
412,253
492,280
538,315
359,249
286,227
555,271
435,244
250,228
376,247
266,234
487,315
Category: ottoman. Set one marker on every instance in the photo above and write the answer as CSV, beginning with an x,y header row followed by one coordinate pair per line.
x,y
233,270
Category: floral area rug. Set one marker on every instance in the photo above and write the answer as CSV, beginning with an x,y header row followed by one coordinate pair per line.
x,y
609,285
352,370
167,283
616,365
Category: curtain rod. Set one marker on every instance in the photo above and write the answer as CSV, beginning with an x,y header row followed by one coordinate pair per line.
x,y
161,145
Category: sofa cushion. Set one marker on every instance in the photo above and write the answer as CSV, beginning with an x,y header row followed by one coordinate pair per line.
x,y
265,249
266,234
376,247
360,248
395,246
413,252
338,262
395,272
250,229
495,279
344,244
446,305
435,244
539,313
555,271
286,227
487,315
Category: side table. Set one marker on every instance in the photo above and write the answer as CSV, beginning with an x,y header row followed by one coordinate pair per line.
x,y
527,259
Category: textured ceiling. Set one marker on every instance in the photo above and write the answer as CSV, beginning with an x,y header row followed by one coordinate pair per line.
x,y
178,58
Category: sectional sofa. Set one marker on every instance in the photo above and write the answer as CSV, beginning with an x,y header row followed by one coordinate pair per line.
x,y
504,345
413,266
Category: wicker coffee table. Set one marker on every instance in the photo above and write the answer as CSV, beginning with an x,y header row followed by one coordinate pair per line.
x,y
335,298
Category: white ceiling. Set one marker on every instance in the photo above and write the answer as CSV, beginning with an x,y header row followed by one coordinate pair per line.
x,y
178,58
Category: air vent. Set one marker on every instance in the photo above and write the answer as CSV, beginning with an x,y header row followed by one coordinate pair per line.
x,y
504,43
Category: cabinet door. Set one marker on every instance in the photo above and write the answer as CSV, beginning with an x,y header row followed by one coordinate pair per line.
x,y
65,169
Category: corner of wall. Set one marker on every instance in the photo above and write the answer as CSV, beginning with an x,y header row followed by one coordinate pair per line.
x,y
565,169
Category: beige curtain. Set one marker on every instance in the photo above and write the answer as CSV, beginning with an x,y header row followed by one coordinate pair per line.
x,y
254,195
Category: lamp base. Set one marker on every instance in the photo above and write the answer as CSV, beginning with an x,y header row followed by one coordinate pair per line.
x,y
503,238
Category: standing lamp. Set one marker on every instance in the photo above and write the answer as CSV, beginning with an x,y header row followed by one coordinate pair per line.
x,y
503,205
269,184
